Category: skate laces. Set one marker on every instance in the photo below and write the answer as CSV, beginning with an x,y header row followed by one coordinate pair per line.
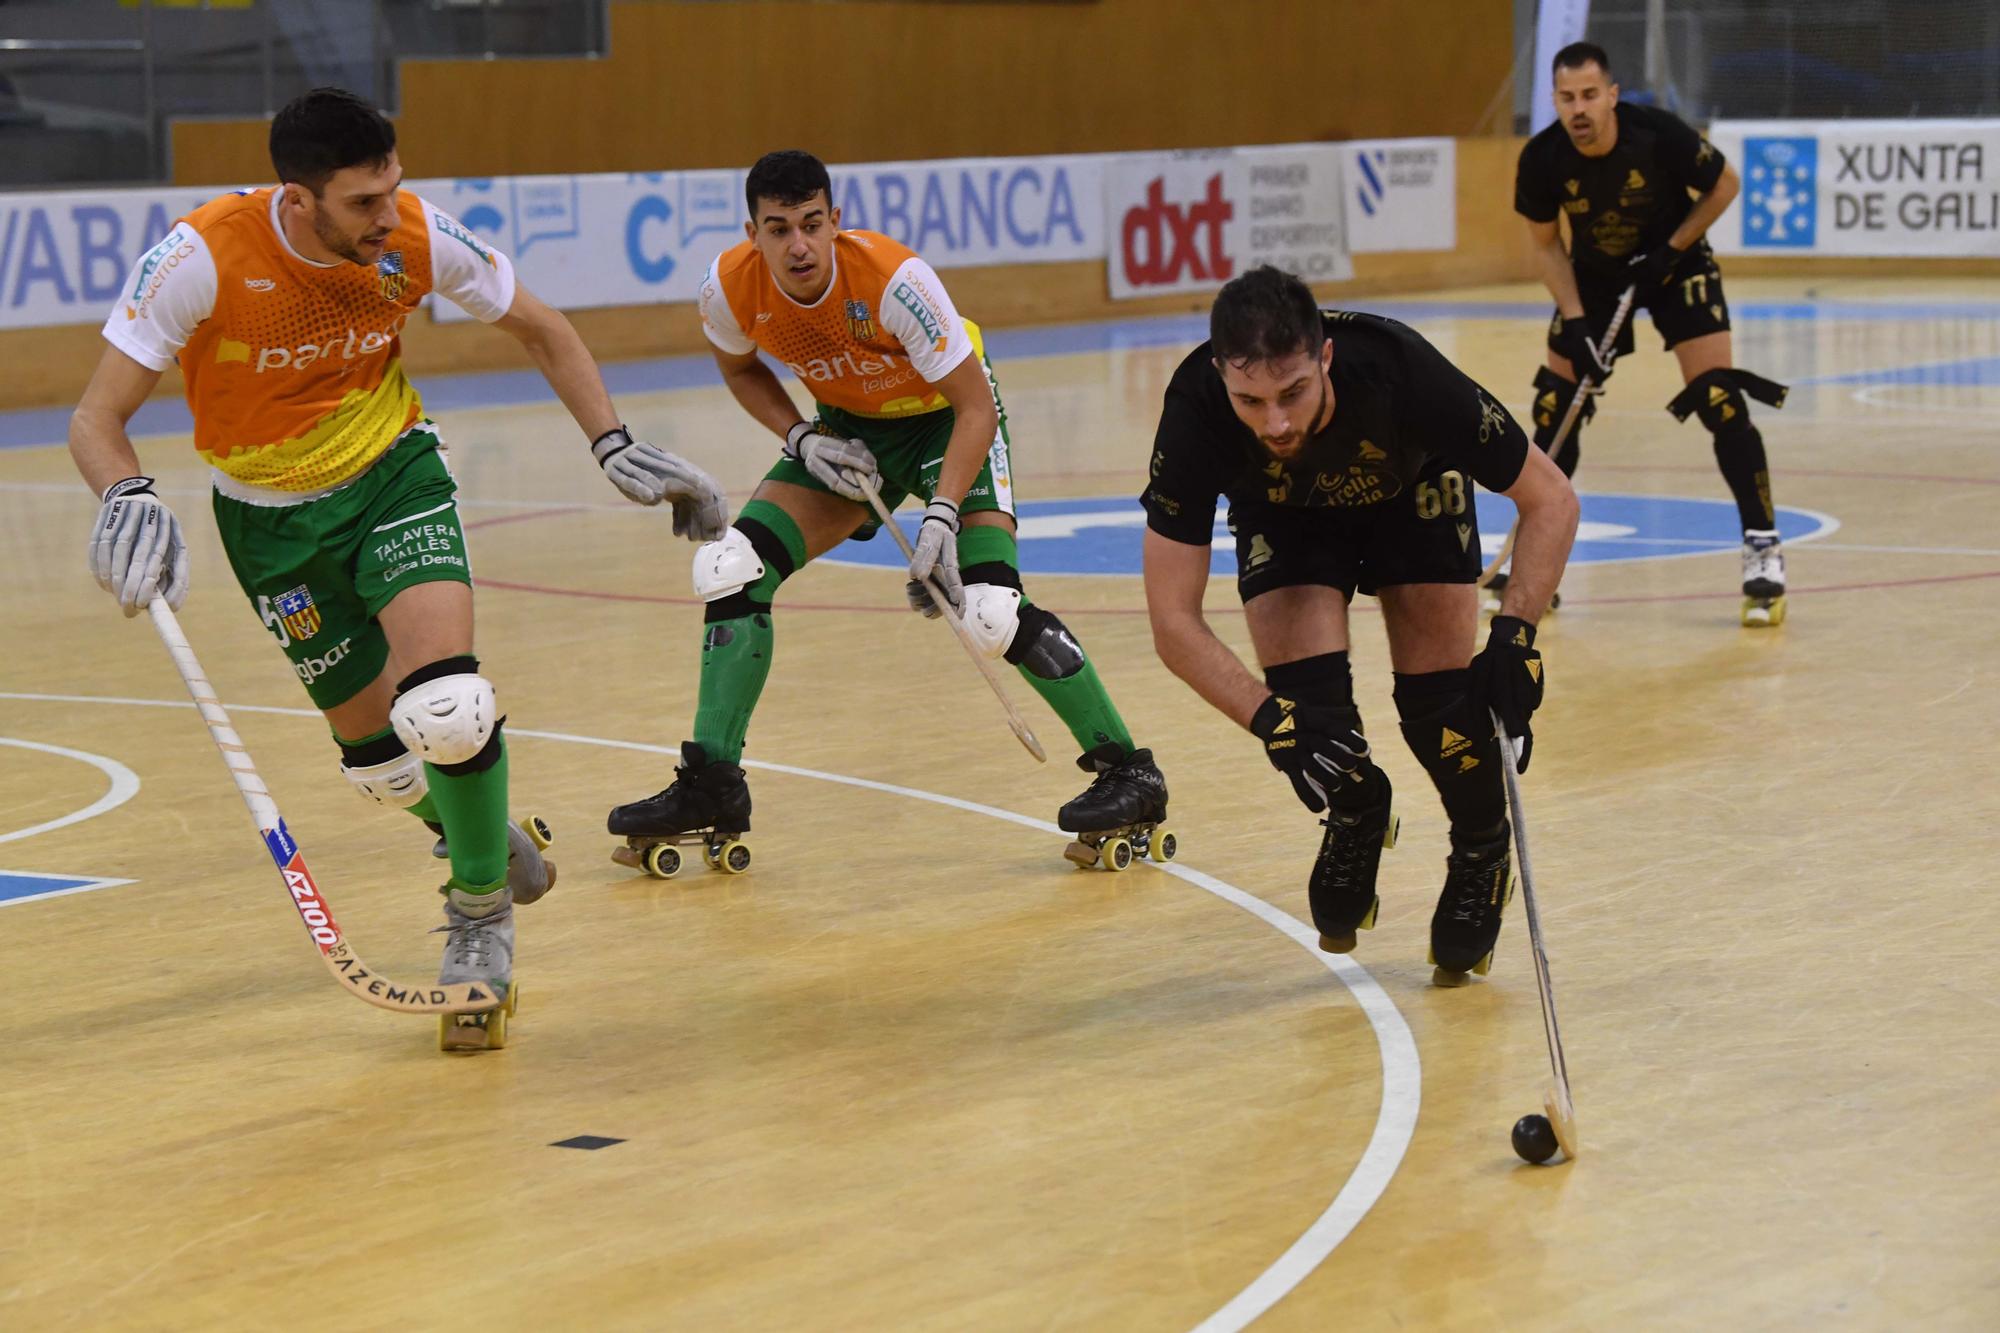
x,y
1470,876
472,939
1346,855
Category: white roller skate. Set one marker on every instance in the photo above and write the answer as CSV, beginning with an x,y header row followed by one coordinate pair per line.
x,y
1763,580
479,946
529,873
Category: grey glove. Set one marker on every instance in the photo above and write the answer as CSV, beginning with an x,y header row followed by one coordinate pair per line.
x,y
842,466
136,548
921,600
936,556
647,475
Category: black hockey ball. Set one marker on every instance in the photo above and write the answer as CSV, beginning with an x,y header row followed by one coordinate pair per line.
x,y
1534,1139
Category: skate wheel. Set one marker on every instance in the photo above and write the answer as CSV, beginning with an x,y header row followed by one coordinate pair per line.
x,y
496,1024
1082,853
1116,854
1165,844
538,831
1368,922
733,857
1389,833
662,860
513,998
483,1031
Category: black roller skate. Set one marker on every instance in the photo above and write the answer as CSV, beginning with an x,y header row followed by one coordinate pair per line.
x,y
1342,888
708,806
1122,814
1478,882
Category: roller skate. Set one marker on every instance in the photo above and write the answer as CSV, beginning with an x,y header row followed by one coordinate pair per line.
x,y
479,946
1496,587
708,806
1478,883
1341,891
1122,814
1763,580
529,873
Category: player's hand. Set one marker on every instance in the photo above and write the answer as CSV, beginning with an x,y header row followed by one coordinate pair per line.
x,y
1655,268
136,548
936,557
647,475
1507,678
1572,340
1314,747
843,466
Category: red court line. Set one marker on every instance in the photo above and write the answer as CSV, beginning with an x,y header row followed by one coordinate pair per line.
x,y
524,516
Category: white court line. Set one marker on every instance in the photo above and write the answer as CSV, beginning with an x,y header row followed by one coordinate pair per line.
x,y
1402,1070
124,786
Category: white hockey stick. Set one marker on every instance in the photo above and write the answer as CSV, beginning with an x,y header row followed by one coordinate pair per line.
x,y
1556,1101
1585,387
338,954
1015,722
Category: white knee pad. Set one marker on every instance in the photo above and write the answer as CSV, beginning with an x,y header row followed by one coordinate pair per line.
x,y
992,616
400,782
725,567
447,720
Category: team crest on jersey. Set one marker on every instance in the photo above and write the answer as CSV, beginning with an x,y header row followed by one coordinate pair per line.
x,y
389,270
1634,181
860,324
298,613
1572,186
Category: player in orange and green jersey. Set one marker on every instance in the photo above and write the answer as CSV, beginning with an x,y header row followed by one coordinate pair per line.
x,y
283,307
906,403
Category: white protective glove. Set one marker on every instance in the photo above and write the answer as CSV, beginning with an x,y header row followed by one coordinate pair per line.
x,y
843,466
136,548
647,475
936,556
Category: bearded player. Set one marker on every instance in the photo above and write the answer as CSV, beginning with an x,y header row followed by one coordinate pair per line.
x,y
906,403
283,307
1641,189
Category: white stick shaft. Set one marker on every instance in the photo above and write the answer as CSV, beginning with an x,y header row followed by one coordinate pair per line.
x,y
263,810
1543,983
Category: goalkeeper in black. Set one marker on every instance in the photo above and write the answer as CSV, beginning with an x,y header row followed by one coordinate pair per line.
x,y
1347,448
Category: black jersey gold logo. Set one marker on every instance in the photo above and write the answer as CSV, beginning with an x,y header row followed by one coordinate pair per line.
x,y
1572,186
1634,181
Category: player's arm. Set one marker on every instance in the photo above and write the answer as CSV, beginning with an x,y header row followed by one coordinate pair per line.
x,y
97,438
1708,206
975,421
1176,575
756,389
557,350
1553,267
1548,509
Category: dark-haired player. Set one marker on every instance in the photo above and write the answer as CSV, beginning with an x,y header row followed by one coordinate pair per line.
x,y
283,307
906,402
1347,448
1641,189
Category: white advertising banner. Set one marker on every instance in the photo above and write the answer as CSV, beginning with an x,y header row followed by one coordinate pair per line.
x,y
1189,222
1402,194
64,257
1557,24
1862,187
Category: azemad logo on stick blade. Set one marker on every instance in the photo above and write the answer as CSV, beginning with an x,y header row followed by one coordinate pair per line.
x,y
1102,536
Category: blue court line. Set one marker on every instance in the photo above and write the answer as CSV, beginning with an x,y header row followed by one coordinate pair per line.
x,y
32,427
1976,370
20,886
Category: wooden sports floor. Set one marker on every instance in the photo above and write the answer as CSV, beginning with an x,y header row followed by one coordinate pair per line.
x,y
916,1071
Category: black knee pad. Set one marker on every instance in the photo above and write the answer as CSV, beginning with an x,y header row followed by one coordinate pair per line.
x,y
1553,395
1721,398
1043,646
1455,746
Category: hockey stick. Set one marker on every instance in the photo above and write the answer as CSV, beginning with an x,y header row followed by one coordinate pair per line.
x,y
1585,387
1556,1102
462,998
1015,722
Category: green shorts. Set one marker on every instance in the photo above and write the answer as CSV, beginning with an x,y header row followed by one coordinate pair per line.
x,y
909,451
320,572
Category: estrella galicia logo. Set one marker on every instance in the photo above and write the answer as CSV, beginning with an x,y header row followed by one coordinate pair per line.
x,y
1103,535
1781,198
1371,188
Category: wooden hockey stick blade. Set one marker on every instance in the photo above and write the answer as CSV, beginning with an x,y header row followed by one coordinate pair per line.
x,y
1015,722
335,952
1564,1124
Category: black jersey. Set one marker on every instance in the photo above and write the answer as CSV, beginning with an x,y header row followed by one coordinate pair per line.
x,y
1627,202
1398,406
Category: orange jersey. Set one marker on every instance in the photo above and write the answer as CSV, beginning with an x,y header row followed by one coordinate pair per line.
x,y
293,368
881,335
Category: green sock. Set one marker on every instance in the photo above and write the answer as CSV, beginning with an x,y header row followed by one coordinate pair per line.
x,y
473,809
737,641
1079,698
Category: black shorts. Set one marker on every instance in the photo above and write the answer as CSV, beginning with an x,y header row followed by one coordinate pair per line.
x,y
1427,534
1690,305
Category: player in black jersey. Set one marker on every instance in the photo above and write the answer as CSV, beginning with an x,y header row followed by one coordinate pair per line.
x,y
1347,448
1641,188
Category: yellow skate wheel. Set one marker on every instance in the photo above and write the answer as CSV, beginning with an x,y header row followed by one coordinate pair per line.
x,y
513,998
1116,854
1389,833
1368,922
663,860
1484,965
1777,612
733,857
496,1025
538,831
1165,844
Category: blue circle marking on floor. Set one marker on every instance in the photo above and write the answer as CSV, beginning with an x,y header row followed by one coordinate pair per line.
x,y
1102,535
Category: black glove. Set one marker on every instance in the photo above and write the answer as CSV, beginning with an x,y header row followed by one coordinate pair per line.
x,y
1507,678
1655,268
1314,747
1572,339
